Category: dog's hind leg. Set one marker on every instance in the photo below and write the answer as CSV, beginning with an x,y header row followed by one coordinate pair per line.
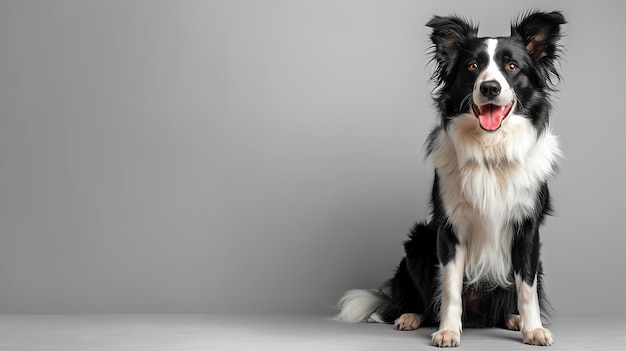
x,y
513,322
408,321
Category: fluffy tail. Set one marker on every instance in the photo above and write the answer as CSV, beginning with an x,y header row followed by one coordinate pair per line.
x,y
404,292
360,306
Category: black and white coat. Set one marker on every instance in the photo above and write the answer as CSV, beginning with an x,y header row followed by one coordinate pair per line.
x,y
477,258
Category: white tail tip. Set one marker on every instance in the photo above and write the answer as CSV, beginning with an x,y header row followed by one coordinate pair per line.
x,y
358,306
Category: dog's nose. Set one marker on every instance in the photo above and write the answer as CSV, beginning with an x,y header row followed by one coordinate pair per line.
x,y
490,88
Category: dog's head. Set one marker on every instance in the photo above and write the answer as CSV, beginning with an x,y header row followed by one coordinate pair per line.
x,y
494,77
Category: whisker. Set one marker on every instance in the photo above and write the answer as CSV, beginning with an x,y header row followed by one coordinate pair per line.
x,y
466,101
517,99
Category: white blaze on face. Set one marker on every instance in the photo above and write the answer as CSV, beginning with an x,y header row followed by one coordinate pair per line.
x,y
492,109
493,72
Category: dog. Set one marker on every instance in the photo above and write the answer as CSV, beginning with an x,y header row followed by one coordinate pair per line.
x,y
475,261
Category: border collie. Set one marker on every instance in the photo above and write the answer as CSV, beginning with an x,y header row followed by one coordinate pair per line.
x,y
475,261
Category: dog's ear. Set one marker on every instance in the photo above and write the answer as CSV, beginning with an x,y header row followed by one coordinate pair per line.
x,y
448,32
540,32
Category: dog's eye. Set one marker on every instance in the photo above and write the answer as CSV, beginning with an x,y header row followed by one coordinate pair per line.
x,y
511,66
472,66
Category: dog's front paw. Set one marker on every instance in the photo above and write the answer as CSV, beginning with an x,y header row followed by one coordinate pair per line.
x,y
538,336
446,338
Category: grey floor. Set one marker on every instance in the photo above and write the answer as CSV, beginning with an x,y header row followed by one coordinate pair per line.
x,y
211,332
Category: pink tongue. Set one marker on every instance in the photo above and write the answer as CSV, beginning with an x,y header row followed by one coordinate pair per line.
x,y
491,116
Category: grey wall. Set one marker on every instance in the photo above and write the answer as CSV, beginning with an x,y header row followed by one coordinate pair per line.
x,y
263,156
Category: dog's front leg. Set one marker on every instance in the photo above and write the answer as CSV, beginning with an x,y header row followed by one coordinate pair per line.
x,y
526,268
533,331
452,258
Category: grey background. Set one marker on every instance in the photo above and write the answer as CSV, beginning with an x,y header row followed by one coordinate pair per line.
x,y
264,156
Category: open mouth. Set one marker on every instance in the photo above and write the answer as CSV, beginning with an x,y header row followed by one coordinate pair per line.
x,y
490,116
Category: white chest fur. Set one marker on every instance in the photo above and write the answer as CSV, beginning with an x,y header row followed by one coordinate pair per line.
x,y
488,181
